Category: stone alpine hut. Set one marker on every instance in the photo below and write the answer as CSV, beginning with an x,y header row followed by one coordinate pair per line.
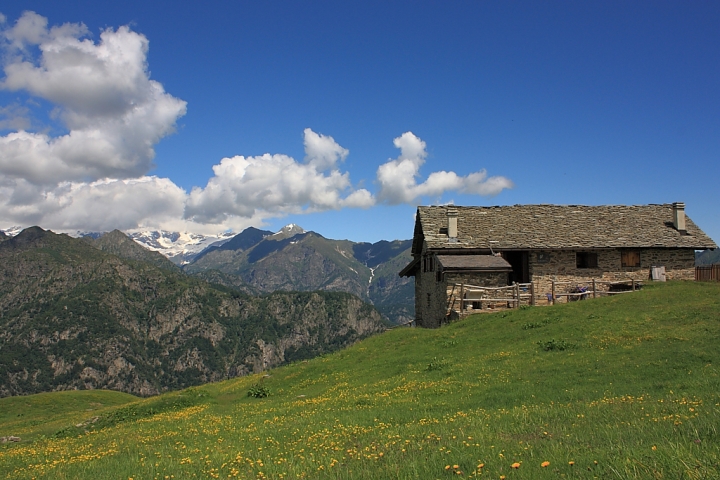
x,y
496,246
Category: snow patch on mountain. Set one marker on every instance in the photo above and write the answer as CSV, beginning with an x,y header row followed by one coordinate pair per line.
x,y
174,244
12,231
179,247
289,230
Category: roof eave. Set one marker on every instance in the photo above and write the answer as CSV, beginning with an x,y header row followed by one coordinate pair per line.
x,y
410,269
477,270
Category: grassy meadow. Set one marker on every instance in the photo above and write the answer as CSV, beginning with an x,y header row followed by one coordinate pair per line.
x,y
624,387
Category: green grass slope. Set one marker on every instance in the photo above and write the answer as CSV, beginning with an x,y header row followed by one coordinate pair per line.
x,y
622,387
45,414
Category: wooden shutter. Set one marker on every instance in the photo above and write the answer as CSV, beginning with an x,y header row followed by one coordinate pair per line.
x,y
630,258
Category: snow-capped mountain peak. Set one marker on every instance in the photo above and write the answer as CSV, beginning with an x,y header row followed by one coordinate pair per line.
x,y
178,246
12,231
287,231
290,230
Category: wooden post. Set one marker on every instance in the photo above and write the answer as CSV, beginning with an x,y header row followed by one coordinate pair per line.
x,y
462,300
517,295
532,294
633,284
594,289
553,292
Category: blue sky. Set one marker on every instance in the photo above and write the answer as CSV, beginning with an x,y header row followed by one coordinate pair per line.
x,y
557,102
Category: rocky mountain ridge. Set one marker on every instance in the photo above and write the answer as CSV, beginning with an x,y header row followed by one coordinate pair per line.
x,y
73,315
296,260
179,247
260,261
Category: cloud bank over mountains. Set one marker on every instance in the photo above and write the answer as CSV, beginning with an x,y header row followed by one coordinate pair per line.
x,y
112,116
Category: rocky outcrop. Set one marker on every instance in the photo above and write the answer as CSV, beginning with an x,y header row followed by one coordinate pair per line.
x,y
117,243
75,317
295,260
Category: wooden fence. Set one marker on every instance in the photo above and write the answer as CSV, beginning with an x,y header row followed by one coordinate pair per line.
x,y
465,298
707,273
574,291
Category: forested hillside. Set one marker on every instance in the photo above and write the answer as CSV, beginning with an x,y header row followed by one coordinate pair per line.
x,y
73,316
295,260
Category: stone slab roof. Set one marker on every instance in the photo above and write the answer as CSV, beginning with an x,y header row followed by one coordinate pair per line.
x,y
474,262
557,227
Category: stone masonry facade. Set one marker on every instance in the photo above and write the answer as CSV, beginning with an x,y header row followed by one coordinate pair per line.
x,y
432,295
563,243
547,266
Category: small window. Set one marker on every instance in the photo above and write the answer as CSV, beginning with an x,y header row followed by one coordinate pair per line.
x,y
543,257
630,258
586,260
428,263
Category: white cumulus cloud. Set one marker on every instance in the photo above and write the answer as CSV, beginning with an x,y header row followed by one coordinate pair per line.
x,y
277,184
398,178
93,175
101,205
113,112
322,151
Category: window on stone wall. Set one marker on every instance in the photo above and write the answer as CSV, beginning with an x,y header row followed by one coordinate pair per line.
x,y
630,258
586,260
428,263
543,257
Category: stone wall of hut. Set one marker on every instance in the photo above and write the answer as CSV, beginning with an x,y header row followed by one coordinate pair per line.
x,y
433,291
561,266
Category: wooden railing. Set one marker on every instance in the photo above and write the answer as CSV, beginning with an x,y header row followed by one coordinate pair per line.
x,y
512,296
707,273
463,296
591,289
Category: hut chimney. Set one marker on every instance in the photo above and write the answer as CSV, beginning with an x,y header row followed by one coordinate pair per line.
x,y
679,216
452,215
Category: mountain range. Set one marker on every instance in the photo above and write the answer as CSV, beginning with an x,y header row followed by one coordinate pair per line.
x,y
178,247
260,261
80,313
